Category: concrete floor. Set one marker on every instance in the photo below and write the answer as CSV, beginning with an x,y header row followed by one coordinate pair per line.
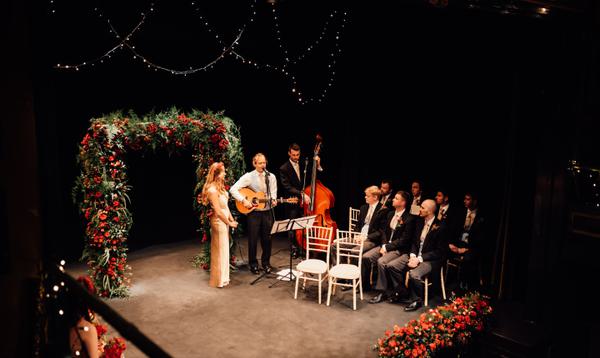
x,y
172,304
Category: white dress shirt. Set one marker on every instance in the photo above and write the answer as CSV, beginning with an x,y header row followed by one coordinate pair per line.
x,y
443,210
255,181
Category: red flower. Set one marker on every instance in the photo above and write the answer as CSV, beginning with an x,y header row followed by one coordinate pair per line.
x,y
151,128
116,203
102,216
101,330
98,194
111,158
223,144
116,219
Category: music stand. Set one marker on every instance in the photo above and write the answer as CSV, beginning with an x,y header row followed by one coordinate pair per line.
x,y
288,225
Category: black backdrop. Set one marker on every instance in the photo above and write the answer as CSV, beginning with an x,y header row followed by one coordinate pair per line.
x,y
459,98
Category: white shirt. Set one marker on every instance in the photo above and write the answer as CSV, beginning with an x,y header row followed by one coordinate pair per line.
x,y
255,181
396,219
414,208
296,167
384,199
365,229
442,211
426,229
470,218
424,233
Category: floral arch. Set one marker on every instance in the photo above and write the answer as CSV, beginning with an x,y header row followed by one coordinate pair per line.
x,y
100,190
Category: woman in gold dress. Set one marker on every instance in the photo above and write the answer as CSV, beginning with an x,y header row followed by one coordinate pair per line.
x,y
214,193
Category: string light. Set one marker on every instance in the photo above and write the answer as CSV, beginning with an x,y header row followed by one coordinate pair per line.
x,y
331,65
126,44
229,49
55,288
117,47
62,262
61,312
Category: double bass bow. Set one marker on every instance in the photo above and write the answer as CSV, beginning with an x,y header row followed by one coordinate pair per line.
x,y
321,199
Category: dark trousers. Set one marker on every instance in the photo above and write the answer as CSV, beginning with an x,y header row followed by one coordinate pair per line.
x,y
259,228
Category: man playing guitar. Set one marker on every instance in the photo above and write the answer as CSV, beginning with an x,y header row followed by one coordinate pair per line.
x,y
260,220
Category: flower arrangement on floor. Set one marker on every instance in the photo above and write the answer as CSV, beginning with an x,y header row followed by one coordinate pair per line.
x,y
101,188
448,326
109,347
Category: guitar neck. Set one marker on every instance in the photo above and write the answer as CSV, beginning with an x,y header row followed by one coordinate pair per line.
x,y
279,200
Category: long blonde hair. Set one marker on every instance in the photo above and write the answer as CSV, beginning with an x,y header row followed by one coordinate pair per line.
x,y
212,179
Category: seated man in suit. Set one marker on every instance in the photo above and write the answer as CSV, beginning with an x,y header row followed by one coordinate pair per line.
x,y
417,197
449,215
466,246
398,229
386,193
370,217
369,222
427,254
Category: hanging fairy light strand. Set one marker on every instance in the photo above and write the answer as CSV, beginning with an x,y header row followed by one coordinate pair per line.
x,y
284,70
126,44
331,65
230,49
119,46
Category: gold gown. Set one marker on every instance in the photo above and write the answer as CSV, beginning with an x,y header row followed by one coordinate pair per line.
x,y
219,247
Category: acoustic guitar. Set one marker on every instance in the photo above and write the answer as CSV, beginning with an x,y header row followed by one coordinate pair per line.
x,y
258,200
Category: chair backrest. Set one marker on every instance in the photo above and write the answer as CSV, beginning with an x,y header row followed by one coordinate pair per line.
x,y
352,218
318,239
349,244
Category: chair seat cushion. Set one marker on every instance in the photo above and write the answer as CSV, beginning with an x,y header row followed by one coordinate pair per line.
x,y
312,266
345,271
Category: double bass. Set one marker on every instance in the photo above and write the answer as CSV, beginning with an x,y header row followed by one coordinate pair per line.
x,y
321,200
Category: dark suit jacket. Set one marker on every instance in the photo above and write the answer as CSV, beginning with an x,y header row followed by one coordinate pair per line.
x,y
388,202
292,186
453,220
374,234
435,245
475,232
401,238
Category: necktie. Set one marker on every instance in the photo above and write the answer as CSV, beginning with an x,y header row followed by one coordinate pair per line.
x,y
468,221
441,214
297,169
394,222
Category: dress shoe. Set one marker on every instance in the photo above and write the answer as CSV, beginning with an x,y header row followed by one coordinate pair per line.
x,y
379,298
254,270
268,268
413,306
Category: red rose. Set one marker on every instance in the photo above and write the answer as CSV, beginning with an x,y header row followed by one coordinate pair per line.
x,y
101,329
116,219
98,194
107,234
116,203
223,144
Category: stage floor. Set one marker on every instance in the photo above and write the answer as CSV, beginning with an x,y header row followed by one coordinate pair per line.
x,y
172,304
